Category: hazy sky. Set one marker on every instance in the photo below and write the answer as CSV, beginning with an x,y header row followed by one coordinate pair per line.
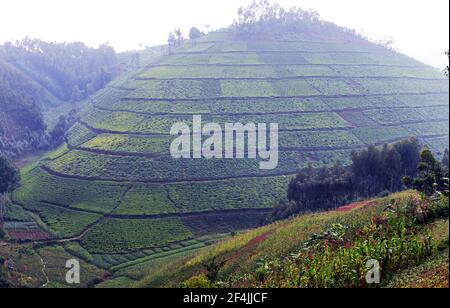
x,y
419,27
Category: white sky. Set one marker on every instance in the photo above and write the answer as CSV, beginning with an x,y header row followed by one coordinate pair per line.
x,y
419,27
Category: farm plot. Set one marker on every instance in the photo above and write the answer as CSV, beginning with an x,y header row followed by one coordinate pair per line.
x,y
385,101
223,222
211,71
55,258
38,186
146,200
25,231
17,214
282,58
163,124
202,58
229,47
198,197
392,116
381,134
330,140
235,58
376,58
305,46
229,194
175,89
247,88
428,129
228,106
434,113
196,47
336,87
126,262
345,103
167,169
401,86
79,134
387,71
260,88
62,222
438,144
122,235
129,144
424,100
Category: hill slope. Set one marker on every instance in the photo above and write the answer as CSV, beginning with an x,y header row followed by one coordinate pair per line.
x,y
116,184
320,250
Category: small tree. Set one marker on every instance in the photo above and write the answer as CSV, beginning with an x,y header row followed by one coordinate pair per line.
x,y
195,33
9,181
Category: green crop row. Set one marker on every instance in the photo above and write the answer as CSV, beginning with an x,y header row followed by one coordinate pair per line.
x,y
129,144
196,197
39,186
79,134
360,58
392,116
391,86
387,71
62,222
129,122
165,168
375,135
426,129
122,235
329,139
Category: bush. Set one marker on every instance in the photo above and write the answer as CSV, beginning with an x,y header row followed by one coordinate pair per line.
x,y
197,282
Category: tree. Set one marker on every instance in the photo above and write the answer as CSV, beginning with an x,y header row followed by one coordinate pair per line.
x,y
9,181
195,33
430,176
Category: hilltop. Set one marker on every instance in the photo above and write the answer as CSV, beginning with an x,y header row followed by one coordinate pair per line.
x,y
115,192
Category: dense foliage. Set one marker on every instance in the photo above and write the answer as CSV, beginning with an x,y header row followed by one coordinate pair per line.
x,y
70,71
36,75
262,20
373,171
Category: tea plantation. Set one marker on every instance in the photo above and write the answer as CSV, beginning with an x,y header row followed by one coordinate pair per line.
x,y
115,188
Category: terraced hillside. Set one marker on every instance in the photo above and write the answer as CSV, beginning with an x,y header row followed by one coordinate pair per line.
x,y
114,187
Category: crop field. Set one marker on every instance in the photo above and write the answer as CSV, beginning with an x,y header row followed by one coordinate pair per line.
x,y
138,123
78,135
424,100
71,193
330,139
23,231
387,71
376,135
438,144
119,235
392,116
114,189
217,195
129,144
231,106
55,258
426,129
237,72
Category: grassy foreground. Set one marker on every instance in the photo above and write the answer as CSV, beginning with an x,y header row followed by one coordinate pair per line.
x,y
406,233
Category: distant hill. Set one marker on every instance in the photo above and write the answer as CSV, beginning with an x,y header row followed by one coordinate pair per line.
x,y
36,76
